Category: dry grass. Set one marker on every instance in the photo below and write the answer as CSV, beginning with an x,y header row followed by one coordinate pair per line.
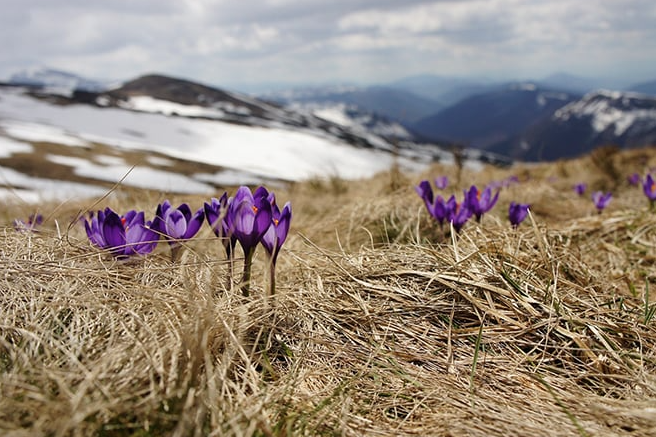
x,y
379,326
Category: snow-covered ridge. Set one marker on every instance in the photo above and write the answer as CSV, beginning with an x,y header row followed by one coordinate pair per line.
x,y
247,153
612,110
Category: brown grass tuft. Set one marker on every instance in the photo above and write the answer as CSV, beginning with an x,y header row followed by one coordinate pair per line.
x,y
380,326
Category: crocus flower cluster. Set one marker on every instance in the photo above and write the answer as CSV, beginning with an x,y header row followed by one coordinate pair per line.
x,y
122,235
480,202
633,179
441,182
580,188
649,188
177,224
517,212
32,222
474,203
248,218
601,200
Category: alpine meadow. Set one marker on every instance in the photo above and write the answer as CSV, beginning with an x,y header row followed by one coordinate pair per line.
x,y
383,321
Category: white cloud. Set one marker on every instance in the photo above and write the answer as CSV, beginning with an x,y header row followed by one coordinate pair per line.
x,y
224,41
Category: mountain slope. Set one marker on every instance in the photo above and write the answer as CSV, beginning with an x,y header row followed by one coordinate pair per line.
x,y
599,118
486,119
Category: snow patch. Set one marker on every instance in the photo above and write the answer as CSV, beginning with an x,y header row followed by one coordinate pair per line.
x,y
151,104
229,177
36,132
335,114
30,189
140,177
8,147
159,161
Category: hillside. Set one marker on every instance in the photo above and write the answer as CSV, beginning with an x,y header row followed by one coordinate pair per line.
x,y
379,325
158,132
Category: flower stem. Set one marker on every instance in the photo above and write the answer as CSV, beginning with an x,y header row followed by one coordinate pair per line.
x,y
231,264
246,277
272,277
175,252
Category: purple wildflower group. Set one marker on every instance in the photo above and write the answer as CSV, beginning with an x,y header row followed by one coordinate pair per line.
x,y
601,199
475,203
248,218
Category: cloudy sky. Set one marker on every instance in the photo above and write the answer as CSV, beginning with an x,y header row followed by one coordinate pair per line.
x,y
237,43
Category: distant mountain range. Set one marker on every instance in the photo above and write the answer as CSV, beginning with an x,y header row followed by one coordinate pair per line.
x,y
394,103
648,88
523,120
485,119
598,118
517,120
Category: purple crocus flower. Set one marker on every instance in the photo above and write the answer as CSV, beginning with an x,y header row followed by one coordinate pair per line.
x,y
441,210
441,182
124,235
601,200
511,180
633,179
248,218
480,202
176,224
217,218
426,193
517,212
580,188
275,236
30,224
459,215
649,188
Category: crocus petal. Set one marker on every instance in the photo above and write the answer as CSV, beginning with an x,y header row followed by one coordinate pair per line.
x,y
649,187
176,224
440,209
243,193
276,234
113,232
263,216
269,239
426,193
212,213
283,223
194,224
185,210
262,192
140,239
93,232
244,217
